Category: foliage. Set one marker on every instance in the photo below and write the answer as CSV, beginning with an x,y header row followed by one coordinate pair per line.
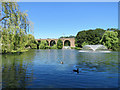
x,y
12,16
110,40
33,46
78,48
90,36
54,47
52,42
31,41
59,44
84,43
72,47
67,36
43,45
12,42
14,28
107,37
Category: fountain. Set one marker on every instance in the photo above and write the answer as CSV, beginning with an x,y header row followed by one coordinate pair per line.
x,y
94,48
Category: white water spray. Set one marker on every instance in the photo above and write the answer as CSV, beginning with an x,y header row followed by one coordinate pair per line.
x,y
99,48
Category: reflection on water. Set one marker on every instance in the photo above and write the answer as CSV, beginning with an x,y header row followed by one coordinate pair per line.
x,y
0,71
42,69
15,68
100,62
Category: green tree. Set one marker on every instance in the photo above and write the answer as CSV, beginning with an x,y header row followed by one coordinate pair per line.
x,y
110,39
12,16
59,44
54,47
14,27
31,41
43,45
84,43
52,42
92,37
67,36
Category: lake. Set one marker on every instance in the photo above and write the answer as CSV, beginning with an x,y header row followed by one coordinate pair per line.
x,y
43,69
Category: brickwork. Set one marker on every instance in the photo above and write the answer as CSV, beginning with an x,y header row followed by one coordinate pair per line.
x,y
72,41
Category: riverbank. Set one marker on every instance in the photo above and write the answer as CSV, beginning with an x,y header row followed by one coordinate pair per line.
x,y
15,51
27,49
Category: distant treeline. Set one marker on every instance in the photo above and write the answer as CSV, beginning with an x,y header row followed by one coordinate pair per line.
x,y
67,36
110,38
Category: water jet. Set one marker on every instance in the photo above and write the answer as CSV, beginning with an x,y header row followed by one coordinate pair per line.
x,y
95,48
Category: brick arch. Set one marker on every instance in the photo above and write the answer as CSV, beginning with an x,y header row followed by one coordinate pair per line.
x,y
72,41
47,42
66,41
39,41
53,41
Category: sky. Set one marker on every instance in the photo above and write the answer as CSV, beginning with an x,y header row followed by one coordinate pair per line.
x,y
56,19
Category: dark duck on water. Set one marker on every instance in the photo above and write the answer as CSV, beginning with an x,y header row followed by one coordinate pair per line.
x,y
76,70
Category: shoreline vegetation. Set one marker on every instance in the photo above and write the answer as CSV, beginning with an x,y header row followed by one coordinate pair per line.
x,y
14,37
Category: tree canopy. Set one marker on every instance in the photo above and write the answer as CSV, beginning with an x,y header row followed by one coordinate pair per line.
x,y
67,36
12,16
110,40
14,28
59,44
89,36
43,45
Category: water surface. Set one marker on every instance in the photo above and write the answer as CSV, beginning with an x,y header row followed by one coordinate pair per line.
x,y
42,69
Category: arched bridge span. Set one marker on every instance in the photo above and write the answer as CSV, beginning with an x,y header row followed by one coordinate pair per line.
x,y
71,40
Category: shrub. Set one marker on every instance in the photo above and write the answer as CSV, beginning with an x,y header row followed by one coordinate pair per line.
x,y
43,45
84,43
72,47
110,39
54,46
78,48
59,44
33,46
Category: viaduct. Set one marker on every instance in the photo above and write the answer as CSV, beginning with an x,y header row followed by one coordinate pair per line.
x,y
64,40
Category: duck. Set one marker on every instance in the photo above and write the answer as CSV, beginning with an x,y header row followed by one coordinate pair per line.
x,y
76,70
61,62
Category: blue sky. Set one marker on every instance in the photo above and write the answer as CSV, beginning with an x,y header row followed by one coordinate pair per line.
x,y
55,19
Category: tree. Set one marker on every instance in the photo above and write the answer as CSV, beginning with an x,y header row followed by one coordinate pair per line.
x,y
80,38
92,37
67,36
110,39
84,43
12,16
52,42
54,47
59,44
14,27
31,41
43,45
